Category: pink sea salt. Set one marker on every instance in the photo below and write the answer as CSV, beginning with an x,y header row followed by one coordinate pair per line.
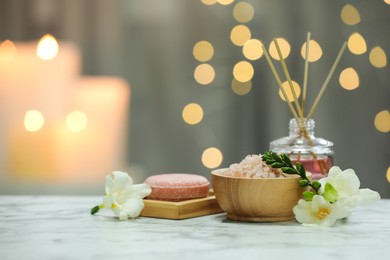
x,y
253,167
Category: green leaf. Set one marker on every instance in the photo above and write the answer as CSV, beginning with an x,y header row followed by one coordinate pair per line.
x,y
330,193
270,161
277,158
277,165
289,170
300,169
95,210
298,166
304,183
286,160
267,155
308,195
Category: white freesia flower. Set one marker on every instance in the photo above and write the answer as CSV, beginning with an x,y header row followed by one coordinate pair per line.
x,y
347,185
124,197
336,199
318,212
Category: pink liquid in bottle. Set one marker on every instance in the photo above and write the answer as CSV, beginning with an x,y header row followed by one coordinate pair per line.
x,y
319,167
315,154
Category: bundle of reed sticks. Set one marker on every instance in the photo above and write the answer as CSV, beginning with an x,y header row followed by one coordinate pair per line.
x,y
299,111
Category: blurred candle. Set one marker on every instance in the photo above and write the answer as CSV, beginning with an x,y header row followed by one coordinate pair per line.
x,y
33,75
78,134
31,149
92,141
37,75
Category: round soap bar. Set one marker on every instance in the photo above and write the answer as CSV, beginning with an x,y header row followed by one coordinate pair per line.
x,y
177,186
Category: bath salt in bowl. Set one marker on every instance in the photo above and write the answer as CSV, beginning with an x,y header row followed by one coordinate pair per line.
x,y
253,167
264,196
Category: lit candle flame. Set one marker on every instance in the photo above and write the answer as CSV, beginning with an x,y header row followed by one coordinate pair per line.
x,y
47,48
7,50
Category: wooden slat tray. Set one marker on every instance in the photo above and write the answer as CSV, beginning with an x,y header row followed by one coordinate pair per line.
x,y
181,210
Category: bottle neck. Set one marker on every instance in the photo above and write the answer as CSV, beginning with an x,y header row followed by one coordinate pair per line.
x,y
302,128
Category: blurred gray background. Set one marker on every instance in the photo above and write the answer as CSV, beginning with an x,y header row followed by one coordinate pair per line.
x,y
150,43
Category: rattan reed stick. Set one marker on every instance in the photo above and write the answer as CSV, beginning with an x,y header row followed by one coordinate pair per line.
x,y
271,65
287,74
317,100
306,71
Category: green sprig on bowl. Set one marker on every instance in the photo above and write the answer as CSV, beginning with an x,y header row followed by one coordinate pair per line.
x,y
284,163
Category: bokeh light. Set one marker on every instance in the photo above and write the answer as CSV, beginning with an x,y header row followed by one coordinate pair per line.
x,y
284,48
47,48
192,114
209,2
243,12
204,74
382,121
243,71
357,44
378,57
7,50
241,88
350,15
315,51
388,169
212,157
33,120
240,34
76,121
287,89
387,2
349,79
225,2
252,49
203,51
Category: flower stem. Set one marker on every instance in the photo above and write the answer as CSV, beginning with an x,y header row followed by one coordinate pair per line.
x,y
96,209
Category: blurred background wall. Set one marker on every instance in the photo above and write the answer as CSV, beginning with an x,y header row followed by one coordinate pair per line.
x,y
150,47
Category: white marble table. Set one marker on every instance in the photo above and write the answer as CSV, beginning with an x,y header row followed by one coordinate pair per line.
x,y
45,227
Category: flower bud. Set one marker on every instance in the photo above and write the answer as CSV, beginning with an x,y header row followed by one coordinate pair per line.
x,y
308,195
316,184
303,183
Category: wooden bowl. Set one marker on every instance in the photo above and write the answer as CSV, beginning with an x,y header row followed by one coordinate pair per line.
x,y
256,200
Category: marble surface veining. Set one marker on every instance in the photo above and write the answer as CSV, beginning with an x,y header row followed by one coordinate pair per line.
x,y
44,227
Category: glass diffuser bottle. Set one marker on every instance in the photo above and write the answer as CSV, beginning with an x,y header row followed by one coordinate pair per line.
x,y
315,154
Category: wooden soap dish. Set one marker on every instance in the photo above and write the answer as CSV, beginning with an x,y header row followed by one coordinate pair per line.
x,y
182,209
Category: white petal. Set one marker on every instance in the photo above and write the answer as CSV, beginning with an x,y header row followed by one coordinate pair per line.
x,y
107,201
117,209
303,213
343,208
142,190
346,183
333,174
123,216
351,179
133,207
319,202
121,180
336,211
334,171
367,196
109,183
122,196
323,181
328,221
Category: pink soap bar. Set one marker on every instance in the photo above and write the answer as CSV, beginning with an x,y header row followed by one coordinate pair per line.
x,y
177,186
